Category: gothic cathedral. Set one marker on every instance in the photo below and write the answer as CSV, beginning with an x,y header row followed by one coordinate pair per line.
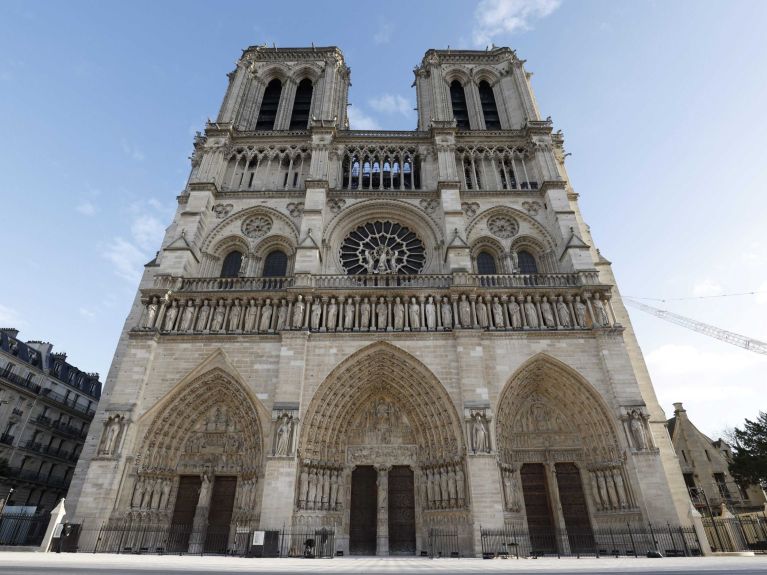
x,y
385,334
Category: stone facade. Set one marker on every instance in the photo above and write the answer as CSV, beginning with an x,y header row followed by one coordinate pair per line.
x,y
705,468
427,305
46,408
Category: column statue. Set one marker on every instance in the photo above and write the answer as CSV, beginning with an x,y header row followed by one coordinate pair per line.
x,y
498,318
464,311
170,316
151,313
349,315
430,311
479,442
515,313
580,311
482,316
415,314
563,313
250,316
332,319
547,313
381,313
218,317
234,316
447,314
531,313
298,313
365,314
398,311
282,315
202,317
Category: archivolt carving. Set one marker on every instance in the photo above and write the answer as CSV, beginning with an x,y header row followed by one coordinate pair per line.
x,y
525,221
548,407
232,225
210,423
384,376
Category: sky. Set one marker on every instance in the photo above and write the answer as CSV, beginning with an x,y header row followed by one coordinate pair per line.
x,y
662,105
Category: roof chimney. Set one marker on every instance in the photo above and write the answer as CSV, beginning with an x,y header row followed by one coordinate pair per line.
x,y
678,408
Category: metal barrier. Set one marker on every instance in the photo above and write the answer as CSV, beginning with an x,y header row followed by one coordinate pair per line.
x,y
737,533
443,543
18,529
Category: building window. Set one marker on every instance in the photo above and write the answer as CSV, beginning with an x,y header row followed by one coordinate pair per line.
x,y
460,110
486,264
276,264
232,263
721,484
8,369
708,456
299,119
269,103
489,109
689,480
527,263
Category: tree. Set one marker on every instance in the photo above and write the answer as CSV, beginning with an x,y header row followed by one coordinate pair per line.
x,y
749,462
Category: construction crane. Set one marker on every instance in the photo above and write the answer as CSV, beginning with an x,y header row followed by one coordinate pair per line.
x,y
727,336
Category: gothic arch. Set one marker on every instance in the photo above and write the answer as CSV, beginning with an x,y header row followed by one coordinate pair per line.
x,y
363,376
548,406
489,75
232,225
459,73
478,226
269,72
307,70
491,246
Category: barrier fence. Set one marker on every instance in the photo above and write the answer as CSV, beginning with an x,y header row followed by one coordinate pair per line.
x,y
23,530
737,533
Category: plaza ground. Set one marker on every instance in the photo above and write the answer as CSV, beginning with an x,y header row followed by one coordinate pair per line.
x,y
65,564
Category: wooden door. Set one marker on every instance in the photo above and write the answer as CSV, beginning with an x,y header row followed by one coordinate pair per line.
x,y
220,514
574,508
401,511
183,512
540,522
363,513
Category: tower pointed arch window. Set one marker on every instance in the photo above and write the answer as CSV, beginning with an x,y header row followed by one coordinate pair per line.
x,y
527,264
232,263
460,109
486,264
276,264
269,103
299,119
489,109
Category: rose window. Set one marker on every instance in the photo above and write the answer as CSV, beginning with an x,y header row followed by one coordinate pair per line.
x,y
382,248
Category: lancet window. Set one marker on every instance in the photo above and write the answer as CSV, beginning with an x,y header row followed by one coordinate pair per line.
x,y
489,109
527,263
269,104
486,264
272,168
380,169
497,168
460,109
276,264
232,263
299,119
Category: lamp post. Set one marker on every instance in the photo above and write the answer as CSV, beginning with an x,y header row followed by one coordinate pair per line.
x,y
4,502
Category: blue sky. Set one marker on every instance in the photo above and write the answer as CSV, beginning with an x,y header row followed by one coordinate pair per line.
x,y
661,104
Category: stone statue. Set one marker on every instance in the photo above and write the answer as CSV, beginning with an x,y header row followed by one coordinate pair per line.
x,y
430,488
370,265
414,314
326,489
316,314
243,271
430,310
531,313
383,489
451,487
206,490
464,311
636,424
266,316
312,496
498,318
303,487
563,313
444,493
580,311
479,442
298,313
620,489
282,315
600,312
381,313
365,314
603,490
508,489
250,317
333,502
218,317
138,493
460,485
447,314
514,257
170,316
202,317
349,315
282,446
515,313
547,313
398,311
611,489
110,437
151,314
595,491
482,317
332,319
234,316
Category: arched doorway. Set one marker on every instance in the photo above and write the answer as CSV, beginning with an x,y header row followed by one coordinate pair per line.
x,y
561,467
382,454
200,461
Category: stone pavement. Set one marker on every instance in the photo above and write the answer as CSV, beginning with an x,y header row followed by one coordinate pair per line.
x,y
61,564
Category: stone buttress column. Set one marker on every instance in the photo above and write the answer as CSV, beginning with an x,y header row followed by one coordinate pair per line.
x,y
382,505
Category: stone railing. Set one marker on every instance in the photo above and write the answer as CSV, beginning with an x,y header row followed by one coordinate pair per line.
x,y
400,309
343,281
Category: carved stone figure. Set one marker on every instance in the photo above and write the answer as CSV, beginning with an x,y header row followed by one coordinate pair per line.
x,y
620,489
234,316
531,314
303,487
381,313
430,311
515,313
547,313
266,316
595,492
451,487
333,501
603,490
479,442
325,489
312,496
243,271
447,314
430,488
206,490
414,314
636,424
170,316
510,489
563,313
218,317
482,316
365,314
250,316
398,311
151,313
187,316
349,315
282,445
443,488
298,313
282,315
460,485
464,311
580,311
600,312
498,318
202,317
332,319
111,433
514,257
316,314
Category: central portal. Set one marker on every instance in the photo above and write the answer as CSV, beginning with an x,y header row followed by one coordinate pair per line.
x,y
401,511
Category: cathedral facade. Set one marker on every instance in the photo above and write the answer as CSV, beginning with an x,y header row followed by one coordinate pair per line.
x,y
383,333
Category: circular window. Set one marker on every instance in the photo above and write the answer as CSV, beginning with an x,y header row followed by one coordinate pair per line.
x,y
382,248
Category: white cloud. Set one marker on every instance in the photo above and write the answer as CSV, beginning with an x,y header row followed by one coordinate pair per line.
x,y
674,360
761,296
495,17
126,258
392,104
85,312
706,288
359,120
383,35
9,317
132,151
147,231
86,208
